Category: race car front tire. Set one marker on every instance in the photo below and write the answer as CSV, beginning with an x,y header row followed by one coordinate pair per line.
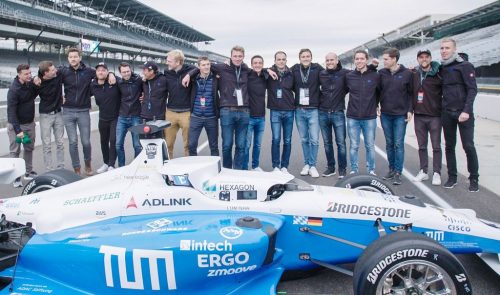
x,y
411,264
50,180
365,182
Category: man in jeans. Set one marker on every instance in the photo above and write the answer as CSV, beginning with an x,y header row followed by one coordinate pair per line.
x,y
396,93
427,100
204,109
20,117
306,88
130,110
179,101
459,92
363,87
331,113
51,120
234,112
281,102
257,102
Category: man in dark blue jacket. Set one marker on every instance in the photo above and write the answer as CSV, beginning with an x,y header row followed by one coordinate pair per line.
x,y
130,86
107,97
396,107
204,109
331,113
155,91
459,92
20,117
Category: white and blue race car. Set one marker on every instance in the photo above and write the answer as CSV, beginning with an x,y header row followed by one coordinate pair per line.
x,y
188,226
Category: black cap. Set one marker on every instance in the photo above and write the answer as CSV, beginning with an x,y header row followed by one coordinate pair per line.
x,y
101,64
150,65
424,51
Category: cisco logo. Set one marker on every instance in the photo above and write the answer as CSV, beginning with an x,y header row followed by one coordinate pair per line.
x,y
231,232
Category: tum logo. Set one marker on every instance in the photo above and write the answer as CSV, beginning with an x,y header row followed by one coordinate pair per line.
x,y
438,236
137,254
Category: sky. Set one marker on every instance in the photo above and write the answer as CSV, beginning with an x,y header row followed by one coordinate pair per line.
x,y
266,26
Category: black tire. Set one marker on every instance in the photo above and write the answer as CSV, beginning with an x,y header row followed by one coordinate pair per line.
x,y
393,252
50,180
365,182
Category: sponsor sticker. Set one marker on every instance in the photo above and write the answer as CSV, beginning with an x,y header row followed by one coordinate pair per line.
x,y
231,232
163,202
92,199
368,210
159,223
151,150
389,259
205,246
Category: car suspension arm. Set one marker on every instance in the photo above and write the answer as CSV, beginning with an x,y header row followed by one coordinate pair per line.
x,y
318,233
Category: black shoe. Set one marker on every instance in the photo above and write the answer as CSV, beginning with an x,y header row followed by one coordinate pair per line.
x,y
450,183
342,173
474,186
30,176
329,172
397,179
389,175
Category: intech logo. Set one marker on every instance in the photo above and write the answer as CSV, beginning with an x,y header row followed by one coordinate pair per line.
x,y
231,232
192,245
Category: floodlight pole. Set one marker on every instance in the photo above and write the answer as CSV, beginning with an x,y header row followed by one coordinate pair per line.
x,y
27,51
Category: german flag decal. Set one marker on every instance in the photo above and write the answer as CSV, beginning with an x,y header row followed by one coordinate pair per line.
x,y
315,221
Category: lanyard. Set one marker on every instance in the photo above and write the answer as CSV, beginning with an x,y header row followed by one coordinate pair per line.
x,y
237,71
306,77
423,75
204,84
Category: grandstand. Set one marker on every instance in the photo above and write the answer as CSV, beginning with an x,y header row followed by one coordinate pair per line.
x,y
477,33
34,30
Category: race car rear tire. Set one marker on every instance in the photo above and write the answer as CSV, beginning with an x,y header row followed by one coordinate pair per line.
x,y
50,180
410,262
365,182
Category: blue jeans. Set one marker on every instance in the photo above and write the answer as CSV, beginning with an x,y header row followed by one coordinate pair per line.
x,y
308,125
335,121
73,119
256,127
394,131
281,120
234,124
354,128
211,126
122,126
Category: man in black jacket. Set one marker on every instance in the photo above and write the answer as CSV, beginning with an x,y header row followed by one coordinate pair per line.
x,y
331,113
107,97
20,117
234,112
155,91
179,101
459,92
204,109
427,100
396,93
130,86
51,120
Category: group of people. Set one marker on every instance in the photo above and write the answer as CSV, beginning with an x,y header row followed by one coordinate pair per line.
x,y
438,96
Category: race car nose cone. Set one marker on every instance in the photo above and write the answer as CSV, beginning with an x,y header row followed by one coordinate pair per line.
x,y
147,129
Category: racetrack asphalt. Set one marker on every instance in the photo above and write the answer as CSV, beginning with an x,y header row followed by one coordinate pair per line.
x,y
486,204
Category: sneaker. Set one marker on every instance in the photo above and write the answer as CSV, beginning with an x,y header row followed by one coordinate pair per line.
x,y
342,174
77,170
450,183
111,168
421,176
88,169
329,172
305,170
397,179
473,186
389,175
30,176
313,172
277,169
284,170
257,169
372,173
436,179
103,168
17,182
353,172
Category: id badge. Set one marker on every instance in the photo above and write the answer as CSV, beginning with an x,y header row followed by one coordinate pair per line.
x,y
202,101
279,93
420,97
304,96
239,97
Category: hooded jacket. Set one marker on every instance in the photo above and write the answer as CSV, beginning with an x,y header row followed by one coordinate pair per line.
x,y
459,86
107,97
396,91
285,84
312,83
130,91
155,97
178,95
333,90
430,84
21,103
50,92
364,94
77,86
